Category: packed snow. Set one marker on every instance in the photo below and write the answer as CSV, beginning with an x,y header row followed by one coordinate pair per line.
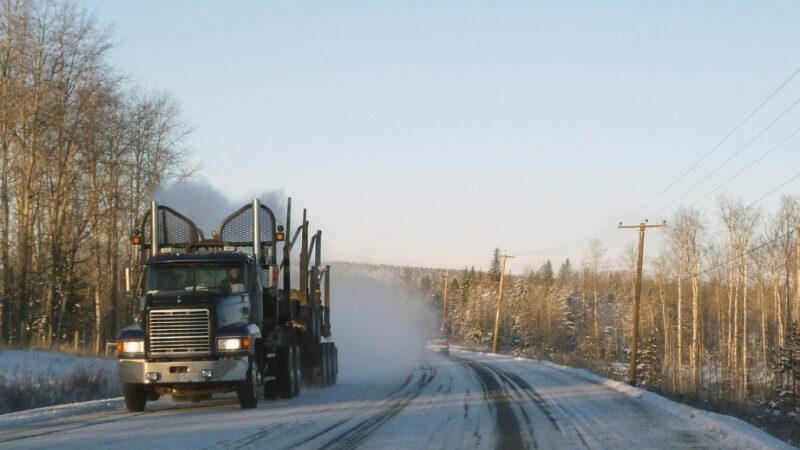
x,y
469,400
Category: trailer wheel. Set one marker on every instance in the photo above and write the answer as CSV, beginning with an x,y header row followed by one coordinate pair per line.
x,y
331,364
307,367
297,371
335,363
287,373
314,368
247,391
326,363
135,396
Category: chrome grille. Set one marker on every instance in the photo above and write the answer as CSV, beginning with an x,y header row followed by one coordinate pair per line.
x,y
179,331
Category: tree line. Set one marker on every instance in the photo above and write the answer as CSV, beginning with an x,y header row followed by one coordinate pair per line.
x,y
81,151
720,305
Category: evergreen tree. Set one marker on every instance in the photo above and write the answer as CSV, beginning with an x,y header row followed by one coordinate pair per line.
x,y
494,266
517,310
546,273
786,361
650,370
565,272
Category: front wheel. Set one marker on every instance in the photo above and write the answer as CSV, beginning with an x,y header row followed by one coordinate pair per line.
x,y
135,396
248,389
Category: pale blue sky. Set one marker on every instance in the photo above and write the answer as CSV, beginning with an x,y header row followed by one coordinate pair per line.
x,y
428,133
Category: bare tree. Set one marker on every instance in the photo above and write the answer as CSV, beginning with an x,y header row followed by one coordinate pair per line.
x,y
79,152
739,222
595,262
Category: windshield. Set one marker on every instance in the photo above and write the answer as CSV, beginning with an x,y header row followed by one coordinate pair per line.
x,y
224,278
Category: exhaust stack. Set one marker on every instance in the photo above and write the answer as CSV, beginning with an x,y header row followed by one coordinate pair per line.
x,y
257,231
155,238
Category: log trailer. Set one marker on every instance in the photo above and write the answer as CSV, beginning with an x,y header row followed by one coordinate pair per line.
x,y
219,315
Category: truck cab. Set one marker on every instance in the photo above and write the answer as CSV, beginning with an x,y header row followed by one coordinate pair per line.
x,y
197,332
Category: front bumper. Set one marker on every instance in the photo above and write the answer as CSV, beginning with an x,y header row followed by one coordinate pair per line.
x,y
134,371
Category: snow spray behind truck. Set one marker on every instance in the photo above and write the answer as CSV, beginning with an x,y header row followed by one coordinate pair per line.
x,y
220,315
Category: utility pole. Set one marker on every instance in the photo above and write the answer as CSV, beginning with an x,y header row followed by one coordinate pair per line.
x,y
637,296
499,301
444,304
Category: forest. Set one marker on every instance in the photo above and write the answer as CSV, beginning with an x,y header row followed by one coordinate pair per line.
x,y
719,307
81,150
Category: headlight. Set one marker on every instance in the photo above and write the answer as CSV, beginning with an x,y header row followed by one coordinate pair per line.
x,y
233,344
129,347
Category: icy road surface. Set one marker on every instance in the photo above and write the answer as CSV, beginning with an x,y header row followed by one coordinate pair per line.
x,y
469,400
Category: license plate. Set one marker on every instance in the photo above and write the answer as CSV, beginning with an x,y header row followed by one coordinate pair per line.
x,y
189,377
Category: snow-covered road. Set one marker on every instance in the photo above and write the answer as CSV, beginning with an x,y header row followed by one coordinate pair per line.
x,y
469,400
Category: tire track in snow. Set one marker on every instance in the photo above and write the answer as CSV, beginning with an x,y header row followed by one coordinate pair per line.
x,y
539,401
83,422
509,432
265,431
523,387
355,436
74,425
100,418
591,424
394,396
590,428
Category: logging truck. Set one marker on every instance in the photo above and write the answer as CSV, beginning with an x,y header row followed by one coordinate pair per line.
x,y
219,314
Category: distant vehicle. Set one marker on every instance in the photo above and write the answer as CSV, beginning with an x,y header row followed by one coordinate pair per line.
x,y
438,344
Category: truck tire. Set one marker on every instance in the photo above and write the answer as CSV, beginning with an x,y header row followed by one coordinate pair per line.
x,y
247,391
314,368
135,397
331,364
287,373
298,371
335,363
326,364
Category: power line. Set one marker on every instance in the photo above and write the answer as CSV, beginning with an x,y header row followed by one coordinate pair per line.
x,y
607,232
763,244
773,191
754,162
725,263
610,235
719,144
604,233
735,154
571,244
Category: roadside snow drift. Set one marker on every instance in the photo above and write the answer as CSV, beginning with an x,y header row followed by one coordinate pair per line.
x,y
33,378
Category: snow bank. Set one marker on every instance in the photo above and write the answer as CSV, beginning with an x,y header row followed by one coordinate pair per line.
x,y
731,431
33,378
